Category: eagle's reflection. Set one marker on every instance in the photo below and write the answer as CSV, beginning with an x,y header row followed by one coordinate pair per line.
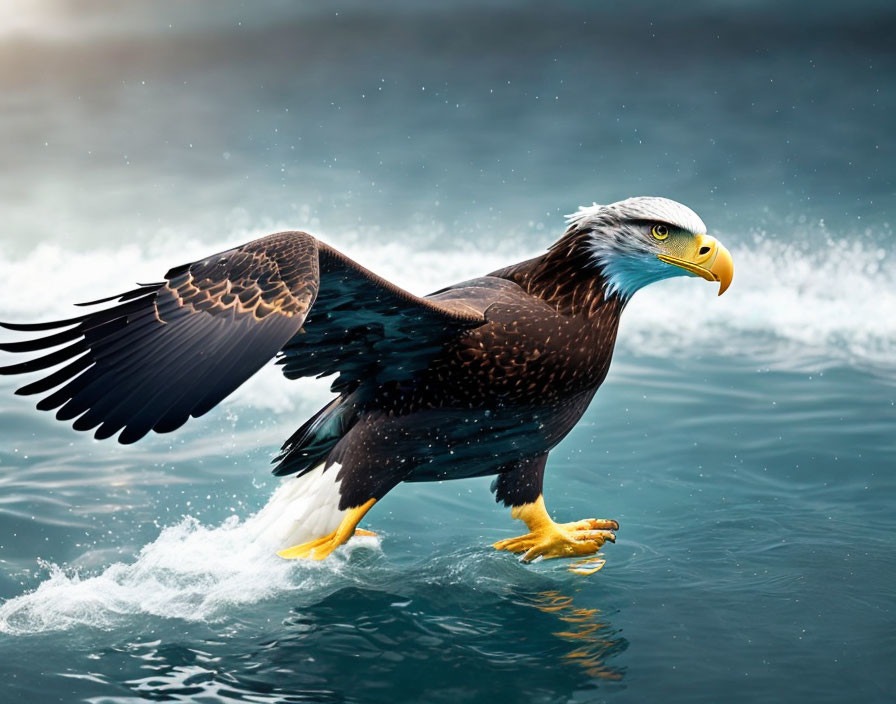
x,y
592,639
440,641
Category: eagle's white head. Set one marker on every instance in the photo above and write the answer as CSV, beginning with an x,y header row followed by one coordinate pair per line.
x,y
641,240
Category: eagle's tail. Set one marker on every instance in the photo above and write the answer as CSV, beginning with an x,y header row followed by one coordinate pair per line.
x,y
303,509
306,516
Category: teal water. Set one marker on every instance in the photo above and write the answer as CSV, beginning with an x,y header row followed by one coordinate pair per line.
x,y
744,443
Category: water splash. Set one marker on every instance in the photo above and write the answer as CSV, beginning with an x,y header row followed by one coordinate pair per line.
x,y
191,572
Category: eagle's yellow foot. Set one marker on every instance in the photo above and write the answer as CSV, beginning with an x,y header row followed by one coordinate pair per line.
x,y
321,547
556,541
547,539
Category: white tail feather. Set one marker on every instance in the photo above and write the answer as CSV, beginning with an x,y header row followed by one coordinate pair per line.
x,y
302,509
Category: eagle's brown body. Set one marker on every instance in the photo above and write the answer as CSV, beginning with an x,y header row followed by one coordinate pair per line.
x,y
491,398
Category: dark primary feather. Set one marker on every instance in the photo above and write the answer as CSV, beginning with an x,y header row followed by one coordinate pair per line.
x,y
168,351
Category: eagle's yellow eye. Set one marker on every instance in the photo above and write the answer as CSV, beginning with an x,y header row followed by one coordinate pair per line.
x,y
661,232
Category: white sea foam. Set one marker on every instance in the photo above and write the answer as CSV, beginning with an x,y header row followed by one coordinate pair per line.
x,y
807,297
191,572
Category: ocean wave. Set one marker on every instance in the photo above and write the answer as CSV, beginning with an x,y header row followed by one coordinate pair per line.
x,y
809,299
813,300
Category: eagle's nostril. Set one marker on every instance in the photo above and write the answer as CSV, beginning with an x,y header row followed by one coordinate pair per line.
x,y
704,250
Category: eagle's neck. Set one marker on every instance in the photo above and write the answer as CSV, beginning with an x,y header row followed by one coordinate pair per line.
x,y
568,279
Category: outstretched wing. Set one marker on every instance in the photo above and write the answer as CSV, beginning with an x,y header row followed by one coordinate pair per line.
x,y
171,350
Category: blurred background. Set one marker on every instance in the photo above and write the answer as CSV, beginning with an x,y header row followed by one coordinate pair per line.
x,y
745,443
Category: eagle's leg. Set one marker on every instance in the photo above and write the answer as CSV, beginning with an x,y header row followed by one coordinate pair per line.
x,y
321,547
521,489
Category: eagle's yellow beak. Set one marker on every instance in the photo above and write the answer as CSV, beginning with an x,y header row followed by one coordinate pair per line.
x,y
708,259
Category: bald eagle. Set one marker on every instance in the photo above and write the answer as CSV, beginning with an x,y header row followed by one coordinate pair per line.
x,y
484,377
